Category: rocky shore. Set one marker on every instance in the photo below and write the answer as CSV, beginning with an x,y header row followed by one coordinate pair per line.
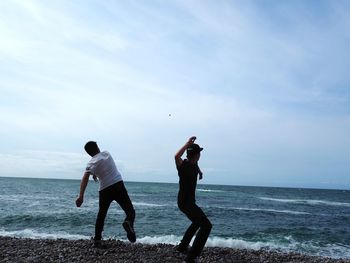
x,y
61,250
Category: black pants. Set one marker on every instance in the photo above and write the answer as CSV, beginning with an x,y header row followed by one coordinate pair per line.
x,y
200,223
118,193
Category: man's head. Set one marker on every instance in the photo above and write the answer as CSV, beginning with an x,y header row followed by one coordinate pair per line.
x,y
91,148
194,152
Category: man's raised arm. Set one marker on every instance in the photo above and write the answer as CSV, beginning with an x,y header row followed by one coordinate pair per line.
x,y
178,155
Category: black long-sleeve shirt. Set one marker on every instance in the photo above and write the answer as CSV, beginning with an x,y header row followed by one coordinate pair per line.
x,y
188,174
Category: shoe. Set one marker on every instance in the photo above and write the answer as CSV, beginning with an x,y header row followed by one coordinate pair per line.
x,y
191,260
130,233
182,249
98,244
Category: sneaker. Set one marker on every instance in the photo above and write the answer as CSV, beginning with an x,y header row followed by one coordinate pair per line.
x,y
191,260
129,231
182,249
98,244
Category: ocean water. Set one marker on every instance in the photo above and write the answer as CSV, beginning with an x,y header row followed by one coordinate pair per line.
x,y
310,221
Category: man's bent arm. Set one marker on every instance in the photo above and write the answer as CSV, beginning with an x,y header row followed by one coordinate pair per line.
x,y
200,173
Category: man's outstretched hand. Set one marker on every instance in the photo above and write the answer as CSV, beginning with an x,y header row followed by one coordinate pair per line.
x,y
79,201
191,140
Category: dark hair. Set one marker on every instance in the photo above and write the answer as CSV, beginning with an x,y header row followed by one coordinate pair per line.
x,y
91,148
191,155
193,150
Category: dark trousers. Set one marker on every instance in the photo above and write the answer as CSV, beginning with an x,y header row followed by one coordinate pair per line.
x,y
118,193
200,223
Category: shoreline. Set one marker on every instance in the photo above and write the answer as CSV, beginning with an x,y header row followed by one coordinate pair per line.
x,y
63,250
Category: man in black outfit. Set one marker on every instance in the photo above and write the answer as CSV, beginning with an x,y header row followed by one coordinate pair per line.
x,y
188,171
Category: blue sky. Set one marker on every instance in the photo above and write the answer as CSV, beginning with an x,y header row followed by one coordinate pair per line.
x,y
264,85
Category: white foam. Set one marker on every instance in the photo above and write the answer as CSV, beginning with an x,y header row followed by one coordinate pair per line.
x,y
212,242
310,247
30,233
167,239
262,210
147,204
310,202
235,243
331,250
210,190
271,210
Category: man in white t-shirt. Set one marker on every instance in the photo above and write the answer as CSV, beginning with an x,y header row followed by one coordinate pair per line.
x,y
102,167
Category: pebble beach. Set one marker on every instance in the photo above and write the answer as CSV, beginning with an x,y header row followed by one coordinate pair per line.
x,y
63,250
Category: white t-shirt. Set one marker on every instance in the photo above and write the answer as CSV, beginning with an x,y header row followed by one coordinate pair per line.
x,y
102,165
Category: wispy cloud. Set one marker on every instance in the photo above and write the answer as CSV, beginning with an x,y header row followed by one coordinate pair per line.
x,y
42,164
